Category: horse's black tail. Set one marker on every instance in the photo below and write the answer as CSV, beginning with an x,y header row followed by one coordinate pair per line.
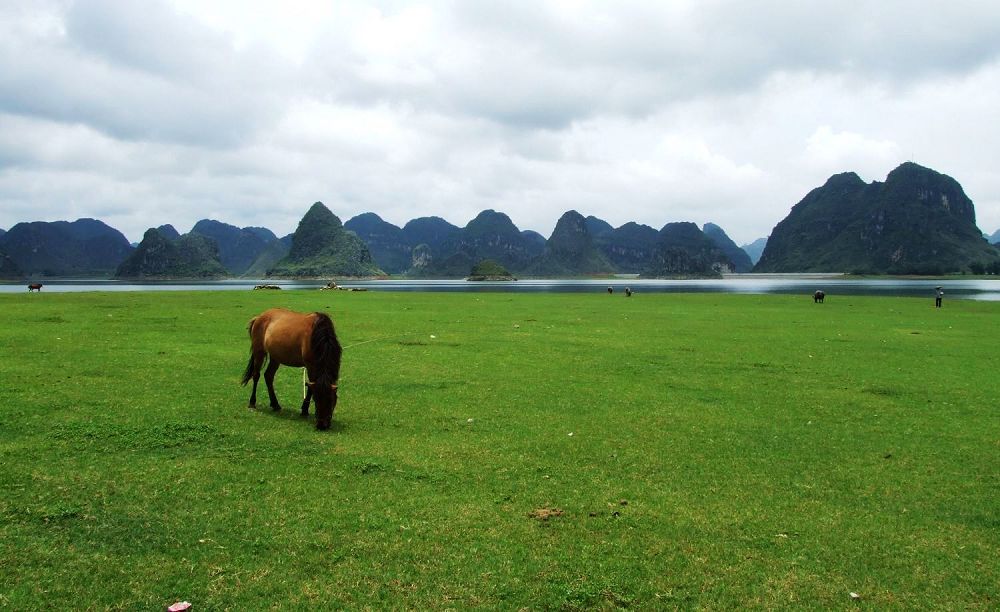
x,y
248,373
326,351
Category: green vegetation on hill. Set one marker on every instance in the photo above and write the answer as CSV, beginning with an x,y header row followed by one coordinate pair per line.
x,y
489,270
191,256
597,227
238,248
322,248
570,250
8,268
684,250
456,265
492,235
535,242
85,247
629,248
573,249
917,222
276,251
434,232
422,259
168,231
387,243
739,258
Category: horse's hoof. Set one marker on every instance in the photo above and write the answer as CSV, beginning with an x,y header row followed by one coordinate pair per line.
x,y
275,407
251,406
322,426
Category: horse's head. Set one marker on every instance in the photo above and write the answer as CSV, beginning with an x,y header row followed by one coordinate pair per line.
x,y
325,397
326,352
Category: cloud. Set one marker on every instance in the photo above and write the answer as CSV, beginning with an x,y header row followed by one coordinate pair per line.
x,y
537,64
828,149
137,72
173,111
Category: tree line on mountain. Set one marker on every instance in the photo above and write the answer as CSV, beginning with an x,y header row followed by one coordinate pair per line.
x,y
916,222
367,246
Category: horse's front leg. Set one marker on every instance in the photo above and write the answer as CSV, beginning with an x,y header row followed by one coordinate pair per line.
x,y
272,367
308,398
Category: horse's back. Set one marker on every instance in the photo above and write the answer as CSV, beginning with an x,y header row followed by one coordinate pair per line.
x,y
284,334
278,316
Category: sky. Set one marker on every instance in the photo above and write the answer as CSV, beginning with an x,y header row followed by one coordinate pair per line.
x,y
247,112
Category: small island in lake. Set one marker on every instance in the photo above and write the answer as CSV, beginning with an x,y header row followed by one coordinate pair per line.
x,y
489,270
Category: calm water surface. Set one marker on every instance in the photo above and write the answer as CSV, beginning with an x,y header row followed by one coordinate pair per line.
x,y
832,284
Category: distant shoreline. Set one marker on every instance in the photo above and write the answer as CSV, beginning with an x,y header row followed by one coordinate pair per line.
x,y
835,286
608,278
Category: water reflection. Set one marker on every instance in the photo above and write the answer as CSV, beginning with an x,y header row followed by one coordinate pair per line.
x,y
833,284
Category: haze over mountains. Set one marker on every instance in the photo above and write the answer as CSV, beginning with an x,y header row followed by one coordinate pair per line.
x,y
754,249
917,222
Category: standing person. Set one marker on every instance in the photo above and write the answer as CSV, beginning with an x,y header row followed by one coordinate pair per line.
x,y
939,293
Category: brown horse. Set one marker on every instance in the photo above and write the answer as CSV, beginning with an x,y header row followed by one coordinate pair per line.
x,y
34,287
299,340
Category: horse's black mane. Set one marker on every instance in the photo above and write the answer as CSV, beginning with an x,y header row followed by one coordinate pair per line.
x,y
326,353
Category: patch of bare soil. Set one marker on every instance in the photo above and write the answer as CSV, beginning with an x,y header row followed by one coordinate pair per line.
x,y
544,514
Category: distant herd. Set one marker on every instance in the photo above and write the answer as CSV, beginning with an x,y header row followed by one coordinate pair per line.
x,y
818,296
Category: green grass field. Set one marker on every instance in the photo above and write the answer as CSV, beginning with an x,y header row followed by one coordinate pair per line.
x,y
704,450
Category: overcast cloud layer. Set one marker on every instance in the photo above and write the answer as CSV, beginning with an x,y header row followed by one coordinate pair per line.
x,y
152,112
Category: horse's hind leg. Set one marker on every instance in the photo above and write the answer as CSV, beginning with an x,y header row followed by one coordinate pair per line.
x,y
256,362
253,393
272,367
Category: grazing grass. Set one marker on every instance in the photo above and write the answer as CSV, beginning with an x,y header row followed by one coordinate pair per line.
x,y
503,451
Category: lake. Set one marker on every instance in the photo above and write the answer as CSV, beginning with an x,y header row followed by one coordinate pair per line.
x,y
832,284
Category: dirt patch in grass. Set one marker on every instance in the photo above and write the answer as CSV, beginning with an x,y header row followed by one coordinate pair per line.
x,y
544,514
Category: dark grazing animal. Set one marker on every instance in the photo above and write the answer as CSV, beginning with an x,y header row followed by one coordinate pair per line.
x,y
298,340
34,287
818,297
628,292
611,289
